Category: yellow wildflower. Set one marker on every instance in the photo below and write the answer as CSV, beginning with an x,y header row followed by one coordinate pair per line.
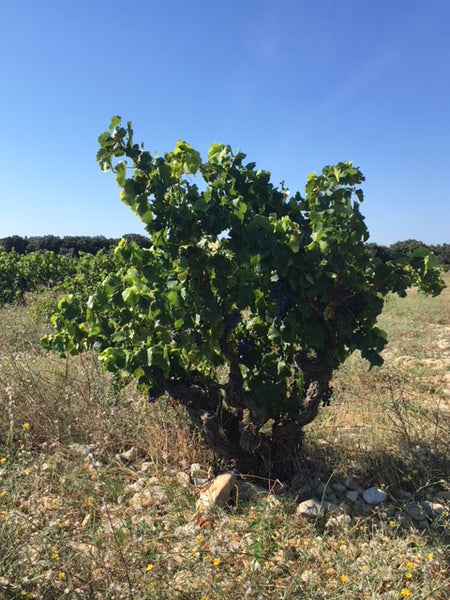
x,y
430,556
405,592
408,575
26,471
343,578
409,565
26,426
2,460
391,523
61,575
149,567
217,562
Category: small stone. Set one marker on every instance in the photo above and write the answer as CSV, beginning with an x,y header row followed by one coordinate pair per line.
x,y
246,490
374,495
352,496
401,494
218,491
84,450
198,475
312,508
361,509
339,521
130,455
151,496
309,508
415,511
346,508
351,484
332,498
432,509
321,489
340,489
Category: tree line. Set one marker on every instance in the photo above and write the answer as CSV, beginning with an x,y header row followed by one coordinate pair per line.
x,y
68,245
74,245
407,249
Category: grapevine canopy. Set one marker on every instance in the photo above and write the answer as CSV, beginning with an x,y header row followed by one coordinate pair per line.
x,y
247,298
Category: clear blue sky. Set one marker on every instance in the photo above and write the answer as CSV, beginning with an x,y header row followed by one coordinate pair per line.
x,y
296,84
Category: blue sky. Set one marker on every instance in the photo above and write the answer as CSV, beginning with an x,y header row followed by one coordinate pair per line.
x,y
295,84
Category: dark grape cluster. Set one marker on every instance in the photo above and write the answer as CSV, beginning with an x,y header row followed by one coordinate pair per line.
x,y
245,347
198,340
326,400
283,297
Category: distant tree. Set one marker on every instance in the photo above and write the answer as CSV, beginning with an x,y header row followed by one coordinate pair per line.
x,y
141,240
44,243
406,248
16,242
377,251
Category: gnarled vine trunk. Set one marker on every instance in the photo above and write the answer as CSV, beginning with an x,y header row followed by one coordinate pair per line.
x,y
237,427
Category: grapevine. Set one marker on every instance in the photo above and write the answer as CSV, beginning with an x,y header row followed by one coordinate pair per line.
x,y
247,298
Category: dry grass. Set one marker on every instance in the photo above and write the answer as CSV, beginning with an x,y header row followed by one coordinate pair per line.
x,y
81,519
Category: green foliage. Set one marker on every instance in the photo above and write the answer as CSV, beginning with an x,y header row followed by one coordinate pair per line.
x,y
241,277
21,273
25,273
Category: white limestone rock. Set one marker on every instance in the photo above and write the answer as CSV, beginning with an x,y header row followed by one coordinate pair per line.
x,y
313,508
218,491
